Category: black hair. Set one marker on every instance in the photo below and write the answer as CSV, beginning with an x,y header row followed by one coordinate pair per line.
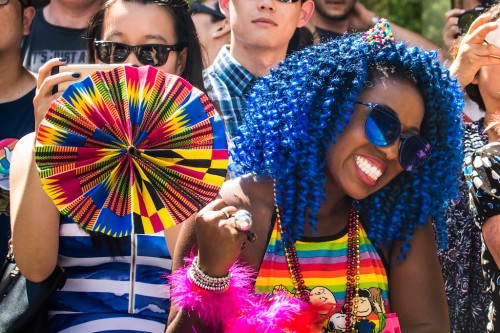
x,y
487,3
302,37
183,25
214,18
367,294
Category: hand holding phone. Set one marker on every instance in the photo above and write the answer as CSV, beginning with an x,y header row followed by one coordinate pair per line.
x,y
83,69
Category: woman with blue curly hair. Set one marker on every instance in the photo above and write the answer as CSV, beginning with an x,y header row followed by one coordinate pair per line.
x,y
348,149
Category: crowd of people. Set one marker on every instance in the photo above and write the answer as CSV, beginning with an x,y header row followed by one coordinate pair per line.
x,y
361,194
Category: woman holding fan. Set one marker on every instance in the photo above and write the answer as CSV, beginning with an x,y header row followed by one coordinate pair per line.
x,y
114,283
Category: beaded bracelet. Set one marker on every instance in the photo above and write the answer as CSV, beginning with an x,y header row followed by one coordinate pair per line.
x,y
207,282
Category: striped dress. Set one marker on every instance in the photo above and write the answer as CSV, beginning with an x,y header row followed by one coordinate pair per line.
x,y
323,261
111,294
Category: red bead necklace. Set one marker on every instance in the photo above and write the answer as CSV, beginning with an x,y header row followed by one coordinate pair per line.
x,y
352,283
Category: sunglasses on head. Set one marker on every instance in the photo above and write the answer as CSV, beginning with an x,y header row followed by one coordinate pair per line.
x,y
383,128
147,54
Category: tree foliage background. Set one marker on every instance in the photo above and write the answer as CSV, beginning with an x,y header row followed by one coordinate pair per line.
x,y
423,16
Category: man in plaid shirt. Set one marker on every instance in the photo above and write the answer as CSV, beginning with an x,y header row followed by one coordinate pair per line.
x,y
260,33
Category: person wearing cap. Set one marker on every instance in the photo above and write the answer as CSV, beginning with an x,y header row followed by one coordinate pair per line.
x,y
17,89
212,27
260,33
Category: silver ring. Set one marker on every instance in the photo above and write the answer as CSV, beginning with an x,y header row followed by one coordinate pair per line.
x,y
243,220
225,213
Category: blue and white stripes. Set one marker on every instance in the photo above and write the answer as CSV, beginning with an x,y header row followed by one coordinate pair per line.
x,y
104,293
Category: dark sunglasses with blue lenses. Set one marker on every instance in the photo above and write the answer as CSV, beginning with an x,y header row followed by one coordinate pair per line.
x,y
147,54
383,128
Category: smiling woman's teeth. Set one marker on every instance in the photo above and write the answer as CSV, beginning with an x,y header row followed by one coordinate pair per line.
x,y
369,169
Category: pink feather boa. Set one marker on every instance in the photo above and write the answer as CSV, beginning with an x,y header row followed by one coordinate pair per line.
x,y
277,314
239,310
212,307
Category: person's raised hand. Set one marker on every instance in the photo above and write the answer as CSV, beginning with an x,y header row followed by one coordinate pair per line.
x,y
219,241
44,85
473,53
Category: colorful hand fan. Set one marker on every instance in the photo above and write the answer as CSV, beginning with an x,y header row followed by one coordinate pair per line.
x,y
131,150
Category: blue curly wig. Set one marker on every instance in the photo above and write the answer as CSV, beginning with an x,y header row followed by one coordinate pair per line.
x,y
294,114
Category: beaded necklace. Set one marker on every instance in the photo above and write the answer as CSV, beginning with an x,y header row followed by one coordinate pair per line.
x,y
353,275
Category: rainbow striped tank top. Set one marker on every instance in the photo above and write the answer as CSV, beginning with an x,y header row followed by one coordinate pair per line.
x,y
323,262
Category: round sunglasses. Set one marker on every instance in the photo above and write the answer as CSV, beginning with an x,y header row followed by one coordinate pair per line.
x,y
147,54
383,128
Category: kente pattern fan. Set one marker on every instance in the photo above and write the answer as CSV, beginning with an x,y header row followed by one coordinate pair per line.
x,y
131,150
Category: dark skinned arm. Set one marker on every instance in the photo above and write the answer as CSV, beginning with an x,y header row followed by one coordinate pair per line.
x,y
416,286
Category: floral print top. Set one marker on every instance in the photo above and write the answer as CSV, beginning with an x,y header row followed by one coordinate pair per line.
x,y
482,172
461,259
